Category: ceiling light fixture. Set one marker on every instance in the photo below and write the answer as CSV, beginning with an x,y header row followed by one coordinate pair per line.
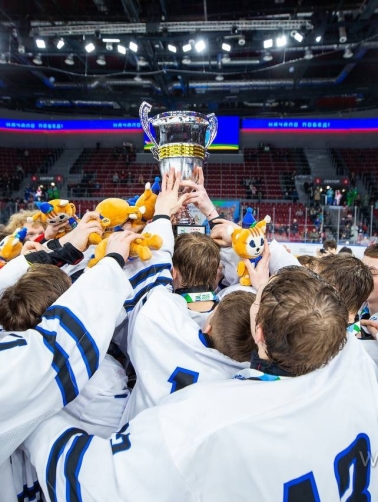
x,y
318,39
21,49
111,40
172,48
90,47
347,53
133,46
101,60
297,36
60,44
186,60
268,43
3,59
225,59
121,49
241,40
281,41
69,60
200,45
308,54
226,47
142,61
219,78
267,56
37,59
40,43
187,47
138,78
109,46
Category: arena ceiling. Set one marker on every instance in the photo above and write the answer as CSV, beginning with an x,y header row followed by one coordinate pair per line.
x,y
328,63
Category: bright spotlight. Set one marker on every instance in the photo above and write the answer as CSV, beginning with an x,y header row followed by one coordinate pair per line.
x,y
318,39
41,44
69,60
172,48
186,48
60,44
200,46
133,46
37,60
121,49
281,41
268,43
298,36
226,47
90,47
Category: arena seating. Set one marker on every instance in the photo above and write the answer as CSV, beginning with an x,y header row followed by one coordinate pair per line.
x,y
37,159
362,162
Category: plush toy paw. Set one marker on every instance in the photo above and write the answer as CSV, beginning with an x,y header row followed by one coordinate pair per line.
x,y
245,280
241,268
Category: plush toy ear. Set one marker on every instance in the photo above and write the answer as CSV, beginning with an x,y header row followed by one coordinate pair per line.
x,y
148,186
63,203
230,230
142,209
267,219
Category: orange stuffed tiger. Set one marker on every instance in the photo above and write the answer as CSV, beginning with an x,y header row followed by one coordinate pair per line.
x,y
248,243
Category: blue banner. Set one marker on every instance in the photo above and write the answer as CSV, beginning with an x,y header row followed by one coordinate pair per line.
x,y
311,124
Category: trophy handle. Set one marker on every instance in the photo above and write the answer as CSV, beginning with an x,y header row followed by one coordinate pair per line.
x,y
144,109
213,126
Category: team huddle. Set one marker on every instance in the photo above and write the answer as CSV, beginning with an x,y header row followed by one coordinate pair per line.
x,y
168,379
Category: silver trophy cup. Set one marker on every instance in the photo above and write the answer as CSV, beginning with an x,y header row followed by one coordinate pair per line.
x,y
181,140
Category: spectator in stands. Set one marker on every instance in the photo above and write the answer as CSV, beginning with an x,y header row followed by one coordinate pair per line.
x,y
115,178
130,177
141,179
20,172
317,194
294,227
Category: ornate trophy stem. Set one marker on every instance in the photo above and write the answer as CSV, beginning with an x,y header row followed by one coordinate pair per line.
x,y
144,110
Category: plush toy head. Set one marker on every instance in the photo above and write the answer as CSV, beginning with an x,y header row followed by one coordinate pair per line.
x,y
140,248
57,212
148,201
11,245
248,243
113,214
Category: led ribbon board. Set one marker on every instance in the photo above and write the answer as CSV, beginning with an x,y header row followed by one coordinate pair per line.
x,y
71,126
310,125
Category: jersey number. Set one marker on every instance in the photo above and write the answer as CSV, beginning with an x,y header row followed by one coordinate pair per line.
x,y
352,472
181,378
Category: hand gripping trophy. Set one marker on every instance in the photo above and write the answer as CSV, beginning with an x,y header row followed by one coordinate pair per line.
x,y
181,141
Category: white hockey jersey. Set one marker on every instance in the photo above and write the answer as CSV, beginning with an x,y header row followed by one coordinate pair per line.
x,y
168,351
43,369
303,439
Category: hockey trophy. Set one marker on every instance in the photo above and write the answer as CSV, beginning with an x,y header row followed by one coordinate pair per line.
x,y
180,141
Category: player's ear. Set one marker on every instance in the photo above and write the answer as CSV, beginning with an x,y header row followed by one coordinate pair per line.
x,y
174,273
207,328
259,335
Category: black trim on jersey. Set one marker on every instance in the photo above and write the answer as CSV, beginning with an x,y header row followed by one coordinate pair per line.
x,y
161,217
74,277
52,462
161,281
30,492
64,375
78,331
148,272
267,366
11,345
72,465
118,258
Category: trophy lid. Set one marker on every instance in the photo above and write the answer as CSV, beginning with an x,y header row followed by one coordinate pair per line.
x,y
180,117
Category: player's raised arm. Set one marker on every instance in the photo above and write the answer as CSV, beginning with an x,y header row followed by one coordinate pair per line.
x,y
43,369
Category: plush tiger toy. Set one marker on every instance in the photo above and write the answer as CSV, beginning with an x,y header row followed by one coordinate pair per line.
x,y
248,243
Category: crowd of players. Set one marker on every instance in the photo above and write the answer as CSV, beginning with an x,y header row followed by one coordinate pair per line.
x,y
166,380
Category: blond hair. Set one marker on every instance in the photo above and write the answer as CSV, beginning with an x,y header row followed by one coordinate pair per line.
x,y
18,220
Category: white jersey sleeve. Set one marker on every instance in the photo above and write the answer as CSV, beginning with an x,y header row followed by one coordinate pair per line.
x,y
169,352
45,368
280,257
12,271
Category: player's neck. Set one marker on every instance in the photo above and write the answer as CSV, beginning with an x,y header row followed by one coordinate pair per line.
x,y
373,306
201,306
198,298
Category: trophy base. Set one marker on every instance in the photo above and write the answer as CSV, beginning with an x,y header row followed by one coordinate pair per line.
x,y
179,229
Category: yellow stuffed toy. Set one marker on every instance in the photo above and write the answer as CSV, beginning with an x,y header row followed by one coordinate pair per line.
x,y
248,243
139,248
113,214
146,200
57,212
11,245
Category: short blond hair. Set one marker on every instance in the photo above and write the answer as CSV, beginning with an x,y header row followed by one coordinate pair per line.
x,y
18,220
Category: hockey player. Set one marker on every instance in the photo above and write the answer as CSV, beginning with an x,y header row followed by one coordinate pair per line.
x,y
286,429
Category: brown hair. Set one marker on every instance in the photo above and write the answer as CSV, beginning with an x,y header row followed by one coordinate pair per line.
x,y
352,278
329,244
308,261
232,326
303,319
372,251
196,257
23,304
